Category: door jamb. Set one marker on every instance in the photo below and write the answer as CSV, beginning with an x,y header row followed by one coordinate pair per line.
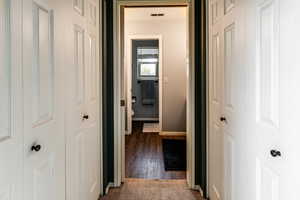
x,y
207,21
117,89
100,115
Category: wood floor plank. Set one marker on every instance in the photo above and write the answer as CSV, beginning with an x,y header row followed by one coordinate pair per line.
x,y
144,157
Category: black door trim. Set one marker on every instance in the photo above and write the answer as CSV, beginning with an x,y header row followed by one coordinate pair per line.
x,y
200,96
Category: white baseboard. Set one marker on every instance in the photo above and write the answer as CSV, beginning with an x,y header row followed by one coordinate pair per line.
x,y
198,188
127,133
110,185
170,133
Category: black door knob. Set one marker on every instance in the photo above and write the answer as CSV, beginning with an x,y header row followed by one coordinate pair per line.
x,y
85,117
36,147
275,153
223,119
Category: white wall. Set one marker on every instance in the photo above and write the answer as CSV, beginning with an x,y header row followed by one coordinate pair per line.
x,y
174,34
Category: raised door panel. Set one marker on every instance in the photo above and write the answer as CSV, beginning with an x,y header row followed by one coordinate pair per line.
x,y
229,4
92,13
5,71
267,182
6,193
92,160
228,166
229,67
216,165
79,6
215,10
79,167
91,79
43,66
216,76
43,180
91,75
11,124
268,65
79,65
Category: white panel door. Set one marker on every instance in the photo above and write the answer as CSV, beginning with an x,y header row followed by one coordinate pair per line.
x,y
216,137
83,121
254,50
276,109
11,138
92,137
43,67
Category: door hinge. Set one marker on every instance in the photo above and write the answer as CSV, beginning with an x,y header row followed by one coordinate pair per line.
x,y
122,102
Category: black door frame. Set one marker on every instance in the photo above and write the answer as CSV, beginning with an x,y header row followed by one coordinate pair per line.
x,y
200,94
107,93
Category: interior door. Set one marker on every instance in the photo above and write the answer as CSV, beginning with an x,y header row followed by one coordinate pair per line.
x,y
44,138
254,73
231,34
83,133
275,115
216,78
11,105
92,138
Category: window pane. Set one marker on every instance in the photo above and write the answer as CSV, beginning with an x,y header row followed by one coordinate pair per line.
x,y
148,70
148,60
147,51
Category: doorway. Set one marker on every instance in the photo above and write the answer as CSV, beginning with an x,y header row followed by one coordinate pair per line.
x,y
196,98
142,73
155,82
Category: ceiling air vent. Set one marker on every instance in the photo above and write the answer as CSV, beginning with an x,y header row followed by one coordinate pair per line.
x,y
157,15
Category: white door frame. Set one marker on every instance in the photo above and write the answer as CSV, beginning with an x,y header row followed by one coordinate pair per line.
x,y
118,132
128,62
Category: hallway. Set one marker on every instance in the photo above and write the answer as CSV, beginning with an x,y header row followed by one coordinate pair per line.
x,y
141,189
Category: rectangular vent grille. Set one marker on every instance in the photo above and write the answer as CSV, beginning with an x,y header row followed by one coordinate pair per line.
x,y
157,15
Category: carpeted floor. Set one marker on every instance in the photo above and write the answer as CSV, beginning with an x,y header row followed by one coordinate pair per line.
x,y
145,189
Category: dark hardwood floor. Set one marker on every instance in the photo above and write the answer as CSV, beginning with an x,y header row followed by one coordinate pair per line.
x,y
144,157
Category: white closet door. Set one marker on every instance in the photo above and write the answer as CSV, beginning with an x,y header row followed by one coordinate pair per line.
x,y
83,128
216,79
43,77
11,115
254,82
273,104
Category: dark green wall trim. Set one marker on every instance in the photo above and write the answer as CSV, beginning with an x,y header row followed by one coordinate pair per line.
x,y
108,91
200,94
